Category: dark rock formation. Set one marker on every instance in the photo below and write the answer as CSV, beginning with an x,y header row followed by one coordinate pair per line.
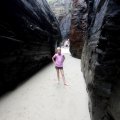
x,y
101,60
65,26
28,35
78,27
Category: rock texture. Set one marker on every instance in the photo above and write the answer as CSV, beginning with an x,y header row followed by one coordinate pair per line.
x,y
28,35
65,24
101,60
78,27
62,10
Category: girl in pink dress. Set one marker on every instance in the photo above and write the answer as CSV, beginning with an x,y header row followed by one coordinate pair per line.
x,y
58,60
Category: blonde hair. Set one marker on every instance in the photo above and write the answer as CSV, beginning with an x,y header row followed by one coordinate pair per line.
x,y
58,48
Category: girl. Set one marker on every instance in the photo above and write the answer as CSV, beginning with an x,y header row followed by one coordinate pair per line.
x,y
58,60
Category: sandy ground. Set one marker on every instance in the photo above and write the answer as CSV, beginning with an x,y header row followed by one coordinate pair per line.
x,y
42,98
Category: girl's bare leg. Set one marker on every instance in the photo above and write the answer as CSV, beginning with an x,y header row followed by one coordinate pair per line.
x,y
63,76
58,76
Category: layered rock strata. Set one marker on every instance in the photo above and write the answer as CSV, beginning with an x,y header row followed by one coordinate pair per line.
x,y
28,35
101,61
78,27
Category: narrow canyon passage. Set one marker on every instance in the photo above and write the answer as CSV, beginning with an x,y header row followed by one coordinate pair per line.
x,y
41,98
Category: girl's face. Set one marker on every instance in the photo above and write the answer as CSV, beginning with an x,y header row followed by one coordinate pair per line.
x,y
59,51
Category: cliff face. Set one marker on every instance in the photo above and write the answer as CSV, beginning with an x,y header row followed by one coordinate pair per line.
x,y
101,61
78,27
65,24
62,10
28,35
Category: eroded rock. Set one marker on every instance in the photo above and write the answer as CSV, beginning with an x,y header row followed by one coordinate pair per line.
x,y
78,27
101,61
62,11
28,35
65,24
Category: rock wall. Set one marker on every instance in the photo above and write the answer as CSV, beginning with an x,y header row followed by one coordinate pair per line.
x,y
28,35
78,27
62,11
65,24
61,8
101,60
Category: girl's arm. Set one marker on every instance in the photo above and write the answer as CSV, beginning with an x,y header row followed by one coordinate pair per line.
x,y
53,59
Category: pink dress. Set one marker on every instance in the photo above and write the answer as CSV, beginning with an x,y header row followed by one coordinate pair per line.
x,y
59,59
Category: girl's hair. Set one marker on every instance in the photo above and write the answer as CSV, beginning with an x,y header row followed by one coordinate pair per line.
x,y
58,48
